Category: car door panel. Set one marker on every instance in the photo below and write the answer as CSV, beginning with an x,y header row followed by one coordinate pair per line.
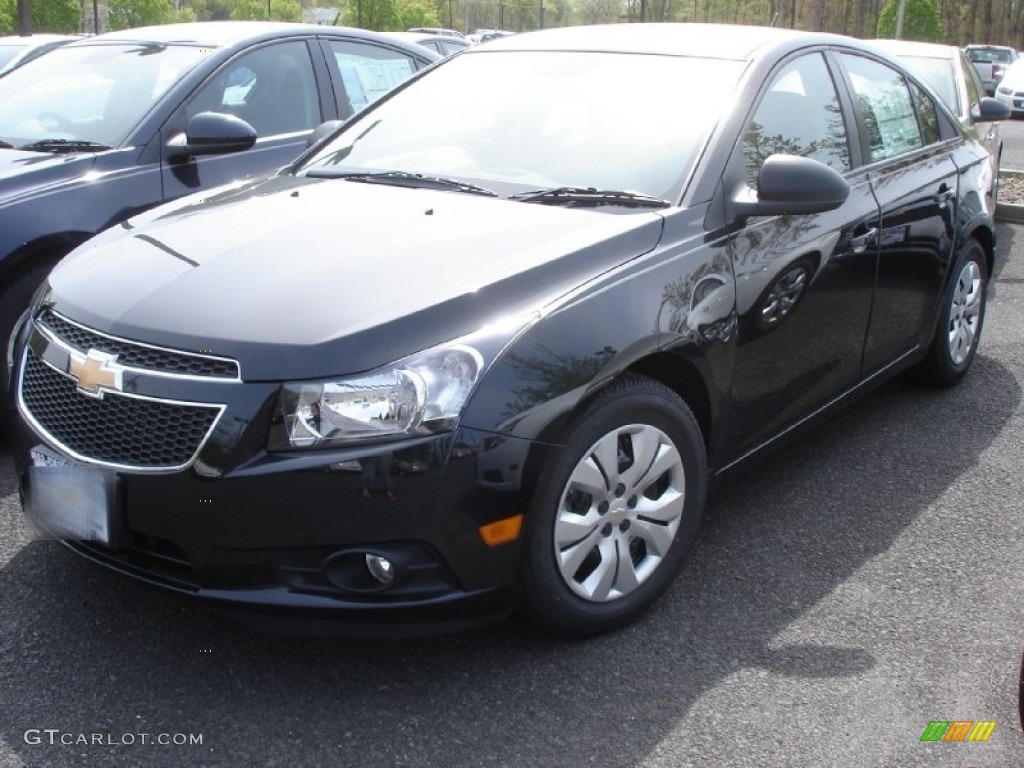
x,y
915,183
803,283
918,202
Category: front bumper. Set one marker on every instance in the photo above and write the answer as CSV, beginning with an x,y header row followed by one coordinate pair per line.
x,y
280,543
278,538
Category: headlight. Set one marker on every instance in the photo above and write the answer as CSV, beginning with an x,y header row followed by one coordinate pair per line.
x,y
418,395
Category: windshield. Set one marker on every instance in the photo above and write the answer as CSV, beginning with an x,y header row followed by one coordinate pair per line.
x,y
939,74
91,93
8,52
544,119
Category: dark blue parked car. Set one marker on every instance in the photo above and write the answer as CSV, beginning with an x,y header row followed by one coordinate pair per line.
x,y
109,126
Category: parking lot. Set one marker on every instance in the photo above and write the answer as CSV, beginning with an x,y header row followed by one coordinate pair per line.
x,y
843,594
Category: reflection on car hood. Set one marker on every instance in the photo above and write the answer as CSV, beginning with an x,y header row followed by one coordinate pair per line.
x,y
21,171
301,278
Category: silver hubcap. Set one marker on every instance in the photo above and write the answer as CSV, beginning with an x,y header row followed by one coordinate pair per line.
x,y
965,313
619,512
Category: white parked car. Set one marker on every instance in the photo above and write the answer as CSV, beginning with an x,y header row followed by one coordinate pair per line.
x,y
15,51
1010,90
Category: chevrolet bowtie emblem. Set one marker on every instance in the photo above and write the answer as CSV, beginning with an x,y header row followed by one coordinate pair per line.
x,y
96,372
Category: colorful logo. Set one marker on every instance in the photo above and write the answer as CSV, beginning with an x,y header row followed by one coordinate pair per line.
x,y
958,730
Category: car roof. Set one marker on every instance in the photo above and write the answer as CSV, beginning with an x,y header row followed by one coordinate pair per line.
x,y
914,48
33,40
712,41
418,37
218,34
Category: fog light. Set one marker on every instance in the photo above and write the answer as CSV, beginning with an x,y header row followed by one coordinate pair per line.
x,y
380,568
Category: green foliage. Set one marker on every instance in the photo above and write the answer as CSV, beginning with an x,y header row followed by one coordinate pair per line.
x,y
184,15
49,16
125,14
250,10
921,21
52,16
56,16
415,13
389,14
285,10
369,14
8,17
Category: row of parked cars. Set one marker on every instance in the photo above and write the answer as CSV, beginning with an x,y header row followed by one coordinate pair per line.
x,y
474,349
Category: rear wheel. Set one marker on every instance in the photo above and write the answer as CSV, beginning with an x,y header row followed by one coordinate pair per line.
x,y
616,511
963,314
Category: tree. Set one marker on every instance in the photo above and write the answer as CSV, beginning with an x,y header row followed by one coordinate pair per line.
x,y
250,10
285,10
184,15
921,21
53,16
375,14
56,16
126,14
415,13
8,17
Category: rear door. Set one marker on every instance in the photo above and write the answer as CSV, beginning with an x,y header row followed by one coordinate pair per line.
x,y
914,180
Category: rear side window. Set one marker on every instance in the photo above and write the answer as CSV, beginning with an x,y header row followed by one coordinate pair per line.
x,y
798,114
886,107
927,117
369,71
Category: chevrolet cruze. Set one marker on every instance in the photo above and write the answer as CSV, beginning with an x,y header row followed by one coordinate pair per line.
x,y
462,360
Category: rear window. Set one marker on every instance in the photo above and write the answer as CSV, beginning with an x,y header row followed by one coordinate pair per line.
x,y
991,55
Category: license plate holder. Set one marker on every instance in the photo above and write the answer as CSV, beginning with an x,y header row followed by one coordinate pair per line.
x,y
73,501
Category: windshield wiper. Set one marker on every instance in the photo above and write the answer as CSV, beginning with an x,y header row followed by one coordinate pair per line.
x,y
64,145
401,179
589,196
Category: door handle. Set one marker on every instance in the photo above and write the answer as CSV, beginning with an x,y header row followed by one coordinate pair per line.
x,y
860,243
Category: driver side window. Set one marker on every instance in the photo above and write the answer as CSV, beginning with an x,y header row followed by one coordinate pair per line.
x,y
272,88
798,114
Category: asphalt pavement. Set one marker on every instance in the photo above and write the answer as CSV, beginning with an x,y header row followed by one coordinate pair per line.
x,y
843,595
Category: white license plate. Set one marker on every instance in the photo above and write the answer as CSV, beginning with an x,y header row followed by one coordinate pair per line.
x,y
71,501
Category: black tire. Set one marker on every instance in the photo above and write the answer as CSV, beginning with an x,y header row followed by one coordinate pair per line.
x,y
636,417
14,301
962,316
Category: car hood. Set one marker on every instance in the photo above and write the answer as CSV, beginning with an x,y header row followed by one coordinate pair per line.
x,y
305,278
21,171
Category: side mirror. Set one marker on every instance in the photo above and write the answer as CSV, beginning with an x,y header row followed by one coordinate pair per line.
x,y
790,185
212,133
990,110
323,130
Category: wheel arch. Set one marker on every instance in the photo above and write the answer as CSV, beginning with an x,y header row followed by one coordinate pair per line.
x,y
49,247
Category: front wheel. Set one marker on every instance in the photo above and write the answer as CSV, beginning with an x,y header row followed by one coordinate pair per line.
x,y
615,511
963,313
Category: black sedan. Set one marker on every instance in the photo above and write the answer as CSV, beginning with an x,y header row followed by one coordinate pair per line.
x,y
103,128
463,360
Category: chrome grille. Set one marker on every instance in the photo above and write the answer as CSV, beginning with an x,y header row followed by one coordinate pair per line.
x,y
118,430
136,355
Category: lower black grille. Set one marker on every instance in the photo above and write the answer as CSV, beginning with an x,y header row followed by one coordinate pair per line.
x,y
117,429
